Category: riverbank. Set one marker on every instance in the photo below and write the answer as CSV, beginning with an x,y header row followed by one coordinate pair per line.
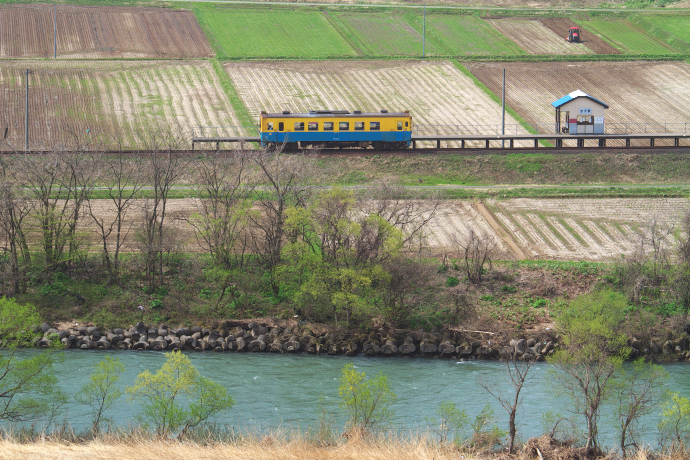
x,y
289,337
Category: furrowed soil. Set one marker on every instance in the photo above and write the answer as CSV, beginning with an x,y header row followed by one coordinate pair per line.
x,y
561,27
642,96
100,32
535,38
438,95
72,102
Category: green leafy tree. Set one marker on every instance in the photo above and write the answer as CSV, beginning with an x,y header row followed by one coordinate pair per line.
x,y
594,347
367,401
177,397
449,421
101,391
335,254
675,421
28,387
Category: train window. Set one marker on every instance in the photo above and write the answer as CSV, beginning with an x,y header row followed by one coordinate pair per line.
x,y
374,126
344,126
359,126
313,126
406,124
399,125
328,126
270,126
299,126
281,126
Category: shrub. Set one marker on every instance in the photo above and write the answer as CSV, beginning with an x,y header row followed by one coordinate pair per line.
x,y
452,281
366,401
177,396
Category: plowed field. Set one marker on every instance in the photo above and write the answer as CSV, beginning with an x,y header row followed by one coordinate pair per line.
x,y
436,93
535,38
96,32
561,26
109,98
641,95
582,229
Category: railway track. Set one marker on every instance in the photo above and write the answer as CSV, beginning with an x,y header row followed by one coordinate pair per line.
x,y
425,151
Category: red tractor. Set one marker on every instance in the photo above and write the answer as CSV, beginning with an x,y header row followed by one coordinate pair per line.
x,y
573,35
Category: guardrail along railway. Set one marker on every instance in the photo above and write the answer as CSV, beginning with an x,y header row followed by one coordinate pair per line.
x,y
508,141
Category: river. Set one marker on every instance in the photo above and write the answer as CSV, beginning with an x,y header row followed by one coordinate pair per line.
x,y
273,390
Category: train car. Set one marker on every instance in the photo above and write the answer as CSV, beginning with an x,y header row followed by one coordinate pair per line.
x,y
336,129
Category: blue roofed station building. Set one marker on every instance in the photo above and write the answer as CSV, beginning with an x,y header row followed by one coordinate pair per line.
x,y
579,113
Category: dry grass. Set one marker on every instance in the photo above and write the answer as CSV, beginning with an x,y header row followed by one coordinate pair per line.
x,y
267,448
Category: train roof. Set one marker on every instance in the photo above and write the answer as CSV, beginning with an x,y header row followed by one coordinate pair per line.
x,y
335,114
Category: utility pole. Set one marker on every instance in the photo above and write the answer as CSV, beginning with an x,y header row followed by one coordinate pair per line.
x,y
503,119
26,120
424,31
55,32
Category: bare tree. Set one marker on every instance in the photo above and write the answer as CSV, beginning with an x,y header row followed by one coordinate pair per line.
x,y
648,266
408,212
122,182
477,250
58,185
14,207
519,373
288,183
164,167
638,393
224,195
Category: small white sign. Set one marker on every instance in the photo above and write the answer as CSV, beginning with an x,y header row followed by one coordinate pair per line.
x,y
585,111
598,120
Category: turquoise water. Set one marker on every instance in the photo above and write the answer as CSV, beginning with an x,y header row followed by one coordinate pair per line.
x,y
273,390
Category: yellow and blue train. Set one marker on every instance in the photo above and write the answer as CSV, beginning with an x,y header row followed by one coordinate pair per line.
x,y
336,129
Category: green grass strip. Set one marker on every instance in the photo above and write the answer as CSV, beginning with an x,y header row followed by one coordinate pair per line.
x,y
237,105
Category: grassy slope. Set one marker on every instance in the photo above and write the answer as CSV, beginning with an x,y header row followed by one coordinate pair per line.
x,y
517,168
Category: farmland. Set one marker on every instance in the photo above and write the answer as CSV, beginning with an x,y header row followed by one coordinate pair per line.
x,y
642,92
535,38
243,33
70,101
436,93
627,37
384,34
100,32
560,27
582,229
468,35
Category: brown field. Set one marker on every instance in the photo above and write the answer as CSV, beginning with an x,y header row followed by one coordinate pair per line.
x,y
642,95
560,27
83,102
100,32
535,38
435,93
